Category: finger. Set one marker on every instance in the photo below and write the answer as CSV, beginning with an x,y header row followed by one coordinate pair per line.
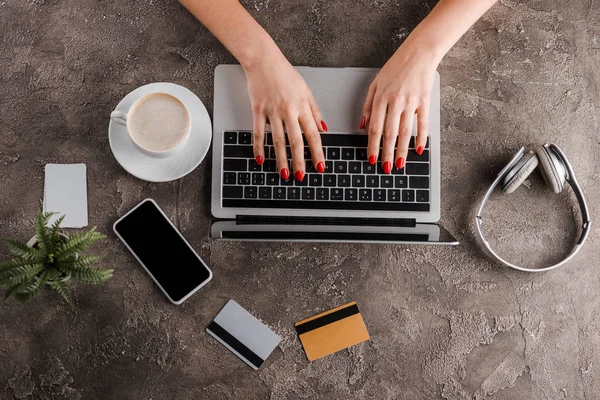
x,y
422,127
321,125
390,135
259,137
368,106
279,145
313,138
296,145
376,123
406,126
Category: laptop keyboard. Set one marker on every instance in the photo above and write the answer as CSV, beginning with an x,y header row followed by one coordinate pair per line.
x,y
349,181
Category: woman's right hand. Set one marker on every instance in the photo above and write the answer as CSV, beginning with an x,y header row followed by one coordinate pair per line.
x,y
281,98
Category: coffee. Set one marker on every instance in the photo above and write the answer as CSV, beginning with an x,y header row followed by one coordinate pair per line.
x,y
158,122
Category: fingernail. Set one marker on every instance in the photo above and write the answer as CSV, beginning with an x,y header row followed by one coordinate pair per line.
x,y
420,150
400,163
372,160
321,167
285,174
362,123
387,167
299,176
324,125
259,160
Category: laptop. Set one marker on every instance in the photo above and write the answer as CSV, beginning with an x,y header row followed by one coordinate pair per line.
x,y
352,201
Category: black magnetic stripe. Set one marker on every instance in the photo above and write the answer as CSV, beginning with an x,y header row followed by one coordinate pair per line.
x,y
327,319
235,344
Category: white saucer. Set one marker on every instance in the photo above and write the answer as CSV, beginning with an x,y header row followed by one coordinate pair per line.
x,y
180,164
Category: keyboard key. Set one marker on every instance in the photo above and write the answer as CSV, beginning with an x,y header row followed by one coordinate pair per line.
x,y
264,192
269,138
293,193
270,166
272,154
413,156
233,192
337,194
417,169
373,181
288,152
238,152
408,195
329,180
351,194
308,193
347,153
234,164
358,181
344,140
354,167
396,171
361,154
328,167
340,167
401,181
250,192
368,168
245,137
333,153
315,180
322,194
289,182
419,182
422,196
379,195
272,179
253,166
279,193
258,178
307,155
230,137
229,178
344,180
244,178
387,181
365,194
303,182
393,195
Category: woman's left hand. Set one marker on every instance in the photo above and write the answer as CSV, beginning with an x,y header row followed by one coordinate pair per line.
x,y
401,89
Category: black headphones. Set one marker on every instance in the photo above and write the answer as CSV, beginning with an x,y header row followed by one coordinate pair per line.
x,y
556,171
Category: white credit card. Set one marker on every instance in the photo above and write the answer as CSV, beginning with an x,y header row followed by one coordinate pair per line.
x,y
65,193
243,334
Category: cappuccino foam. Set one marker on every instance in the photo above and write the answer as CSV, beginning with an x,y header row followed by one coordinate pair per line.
x,y
158,122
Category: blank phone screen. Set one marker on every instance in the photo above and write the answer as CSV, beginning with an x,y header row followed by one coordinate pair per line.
x,y
161,249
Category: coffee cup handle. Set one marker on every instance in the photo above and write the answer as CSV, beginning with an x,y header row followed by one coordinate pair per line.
x,y
119,117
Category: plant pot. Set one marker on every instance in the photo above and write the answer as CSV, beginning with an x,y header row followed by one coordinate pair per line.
x,y
33,241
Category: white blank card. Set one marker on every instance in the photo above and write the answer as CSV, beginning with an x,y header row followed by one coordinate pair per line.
x,y
65,193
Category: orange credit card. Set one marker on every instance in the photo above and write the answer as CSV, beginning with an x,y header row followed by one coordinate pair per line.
x,y
332,331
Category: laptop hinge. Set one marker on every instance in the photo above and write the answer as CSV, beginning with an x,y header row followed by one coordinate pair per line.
x,y
345,221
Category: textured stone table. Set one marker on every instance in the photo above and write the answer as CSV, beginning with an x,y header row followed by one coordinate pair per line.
x,y
444,322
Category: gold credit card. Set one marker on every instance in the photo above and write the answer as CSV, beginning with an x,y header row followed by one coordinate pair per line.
x,y
332,331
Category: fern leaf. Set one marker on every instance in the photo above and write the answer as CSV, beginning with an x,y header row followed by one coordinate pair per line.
x,y
77,243
91,275
55,228
42,233
21,274
14,264
33,289
63,289
20,249
79,263
13,289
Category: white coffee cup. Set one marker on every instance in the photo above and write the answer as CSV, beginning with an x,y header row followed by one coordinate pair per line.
x,y
158,124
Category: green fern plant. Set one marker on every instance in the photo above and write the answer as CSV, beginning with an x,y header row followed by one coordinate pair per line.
x,y
51,261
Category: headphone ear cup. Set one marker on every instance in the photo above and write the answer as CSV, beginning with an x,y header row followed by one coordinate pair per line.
x,y
551,168
517,174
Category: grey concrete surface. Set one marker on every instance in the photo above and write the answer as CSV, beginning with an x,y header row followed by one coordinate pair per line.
x,y
444,322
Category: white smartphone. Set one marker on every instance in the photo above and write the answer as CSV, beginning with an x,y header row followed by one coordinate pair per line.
x,y
163,252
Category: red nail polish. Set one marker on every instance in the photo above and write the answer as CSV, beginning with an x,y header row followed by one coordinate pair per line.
x,y
299,176
321,167
363,121
285,174
372,160
324,125
259,160
387,167
399,163
420,150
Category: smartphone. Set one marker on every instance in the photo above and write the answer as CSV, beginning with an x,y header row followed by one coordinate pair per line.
x,y
163,252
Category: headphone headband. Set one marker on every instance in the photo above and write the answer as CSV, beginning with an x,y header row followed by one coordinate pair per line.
x,y
570,178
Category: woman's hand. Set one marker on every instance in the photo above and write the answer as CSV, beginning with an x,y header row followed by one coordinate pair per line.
x,y
401,89
280,97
